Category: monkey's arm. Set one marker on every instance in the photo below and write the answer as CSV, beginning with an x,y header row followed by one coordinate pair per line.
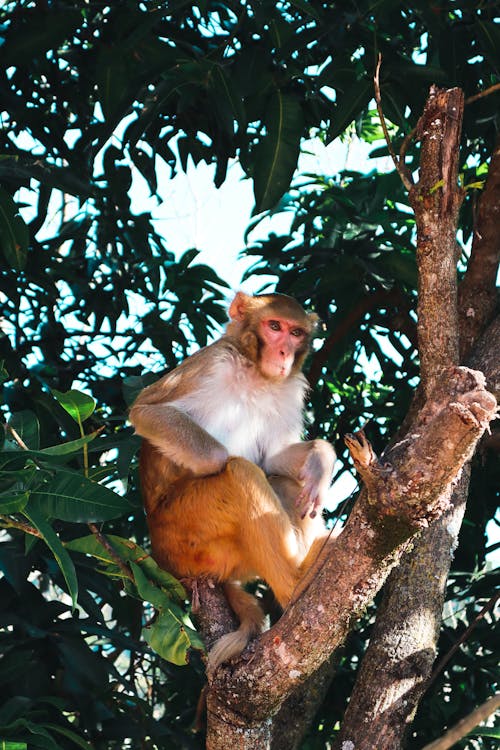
x,y
179,438
311,463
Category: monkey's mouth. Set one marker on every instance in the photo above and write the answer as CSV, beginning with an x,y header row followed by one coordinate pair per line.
x,y
276,371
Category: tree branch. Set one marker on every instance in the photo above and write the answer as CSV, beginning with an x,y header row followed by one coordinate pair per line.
x,y
399,660
10,523
380,298
477,293
436,201
465,726
354,565
398,163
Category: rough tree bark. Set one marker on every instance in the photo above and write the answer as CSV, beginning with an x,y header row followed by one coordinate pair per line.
x,y
398,663
402,495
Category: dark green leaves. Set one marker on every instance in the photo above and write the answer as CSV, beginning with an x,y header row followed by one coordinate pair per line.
x,y
14,235
37,517
69,496
277,152
170,633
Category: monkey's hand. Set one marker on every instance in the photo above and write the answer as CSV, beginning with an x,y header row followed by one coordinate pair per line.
x,y
315,475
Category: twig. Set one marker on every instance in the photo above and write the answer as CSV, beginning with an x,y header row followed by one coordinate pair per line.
x,y
380,298
466,725
486,92
112,553
446,658
406,142
9,523
400,168
16,436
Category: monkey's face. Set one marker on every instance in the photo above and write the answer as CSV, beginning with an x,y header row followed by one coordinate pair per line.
x,y
283,343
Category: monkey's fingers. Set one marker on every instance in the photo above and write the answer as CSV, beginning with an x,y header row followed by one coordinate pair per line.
x,y
308,499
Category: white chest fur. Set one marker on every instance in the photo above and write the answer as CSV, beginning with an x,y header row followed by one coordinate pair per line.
x,y
249,415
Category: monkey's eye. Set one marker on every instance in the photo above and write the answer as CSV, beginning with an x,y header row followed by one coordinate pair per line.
x,y
298,332
274,325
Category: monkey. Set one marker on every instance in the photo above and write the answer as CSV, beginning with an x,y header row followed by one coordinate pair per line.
x,y
231,491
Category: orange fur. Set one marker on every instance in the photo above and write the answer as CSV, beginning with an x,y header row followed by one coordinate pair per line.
x,y
214,514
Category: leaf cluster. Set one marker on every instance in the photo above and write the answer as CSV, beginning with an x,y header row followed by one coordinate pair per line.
x,y
97,98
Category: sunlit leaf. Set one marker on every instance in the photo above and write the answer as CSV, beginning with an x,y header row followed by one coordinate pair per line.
x,y
71,446
79,405
129,551
169,635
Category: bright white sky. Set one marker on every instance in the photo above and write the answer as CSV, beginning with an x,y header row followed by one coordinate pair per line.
x,y
196,214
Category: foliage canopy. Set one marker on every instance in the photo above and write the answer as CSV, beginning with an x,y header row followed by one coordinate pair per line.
x,y
92,94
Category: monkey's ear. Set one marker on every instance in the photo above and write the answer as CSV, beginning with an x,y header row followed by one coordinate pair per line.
x,y
239,306
314,320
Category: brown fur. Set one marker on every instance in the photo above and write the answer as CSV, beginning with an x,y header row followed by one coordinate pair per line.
x,y
214,515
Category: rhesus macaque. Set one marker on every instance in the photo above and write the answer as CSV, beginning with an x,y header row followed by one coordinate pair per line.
x,y
230,490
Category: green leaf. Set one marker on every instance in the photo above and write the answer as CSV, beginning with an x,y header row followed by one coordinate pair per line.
x,y
306,7
112,81
227,100
70,496
41,738
71,446
36,517
27,426
78,405
6,745
277,153
75,738
350,104
401,266
12,502
171,638
489,35
14,234
170,635
486,732
129,552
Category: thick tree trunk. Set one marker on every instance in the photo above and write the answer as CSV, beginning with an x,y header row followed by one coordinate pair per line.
x,y
298,711
398,663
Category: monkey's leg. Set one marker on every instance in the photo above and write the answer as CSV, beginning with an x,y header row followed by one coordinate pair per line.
x,y
251,618
271,547
317,541
230,526
309,529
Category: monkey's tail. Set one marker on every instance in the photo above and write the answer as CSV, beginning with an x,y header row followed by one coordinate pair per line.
x,y
251,619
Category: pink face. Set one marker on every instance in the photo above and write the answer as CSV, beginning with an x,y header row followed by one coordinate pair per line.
x,y
281,338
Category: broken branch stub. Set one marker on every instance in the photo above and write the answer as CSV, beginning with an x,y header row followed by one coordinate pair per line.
x,y
412,479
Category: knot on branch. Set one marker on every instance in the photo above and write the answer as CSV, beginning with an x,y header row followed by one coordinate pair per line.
x,y
413,482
